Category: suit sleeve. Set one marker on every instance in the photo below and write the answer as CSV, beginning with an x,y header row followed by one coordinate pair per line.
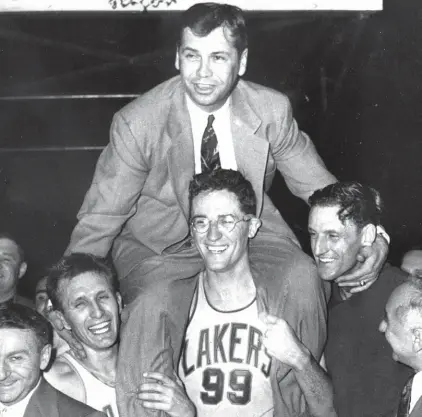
x,y
297,159
118,180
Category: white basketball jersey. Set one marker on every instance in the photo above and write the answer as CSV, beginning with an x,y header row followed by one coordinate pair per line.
x,y
100,396
224,366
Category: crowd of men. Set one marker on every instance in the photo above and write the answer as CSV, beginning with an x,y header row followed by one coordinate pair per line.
x,y
184,293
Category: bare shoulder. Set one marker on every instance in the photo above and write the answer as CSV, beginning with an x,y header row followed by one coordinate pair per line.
x,y
65,378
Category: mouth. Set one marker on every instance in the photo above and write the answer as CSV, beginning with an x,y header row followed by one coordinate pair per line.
x,y
100,328
204,88
217,249
325,260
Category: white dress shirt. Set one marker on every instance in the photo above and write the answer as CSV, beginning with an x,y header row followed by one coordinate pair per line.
x,y
222,128
416,392
18,409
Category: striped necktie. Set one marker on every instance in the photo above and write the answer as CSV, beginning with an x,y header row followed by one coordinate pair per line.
x,y
404,404
210,158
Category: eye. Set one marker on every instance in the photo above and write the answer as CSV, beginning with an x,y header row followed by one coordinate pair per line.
x,y
333,236
80,304
104,297
16,358
220,58
190,56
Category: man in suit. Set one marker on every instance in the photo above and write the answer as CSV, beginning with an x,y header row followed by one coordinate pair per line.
x,y
402,327
25,349
231,360
343,218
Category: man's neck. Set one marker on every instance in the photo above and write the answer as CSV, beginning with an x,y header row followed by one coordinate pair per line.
x,y
101,363
230,290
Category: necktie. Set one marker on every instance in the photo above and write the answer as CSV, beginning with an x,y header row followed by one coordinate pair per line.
x,y
210,159
404,404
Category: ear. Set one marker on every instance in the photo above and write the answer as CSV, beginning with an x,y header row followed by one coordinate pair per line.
x,y
22,269
254,225
176,61
368,235
417,339
243,62
45,357
62,318
119,302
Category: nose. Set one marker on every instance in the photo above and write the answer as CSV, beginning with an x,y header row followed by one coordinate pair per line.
x,y
319,245
383,326
4,370
213,233
96,310
204,69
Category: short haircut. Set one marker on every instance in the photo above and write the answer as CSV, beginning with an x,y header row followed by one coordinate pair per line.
x,y
358,203
225,179
203,18
8,236
73,265
413,302
17,316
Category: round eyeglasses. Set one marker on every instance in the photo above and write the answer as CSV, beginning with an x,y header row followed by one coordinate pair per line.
x,y
225,222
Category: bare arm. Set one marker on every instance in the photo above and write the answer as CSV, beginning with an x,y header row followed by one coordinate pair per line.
x,y
283,344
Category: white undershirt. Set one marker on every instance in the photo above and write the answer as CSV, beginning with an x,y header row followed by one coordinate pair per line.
x,y
18,409
416,392
222,128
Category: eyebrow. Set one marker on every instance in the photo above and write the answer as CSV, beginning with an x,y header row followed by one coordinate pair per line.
x,y
18,352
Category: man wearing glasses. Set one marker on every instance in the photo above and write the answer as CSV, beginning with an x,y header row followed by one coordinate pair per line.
x,y
224,328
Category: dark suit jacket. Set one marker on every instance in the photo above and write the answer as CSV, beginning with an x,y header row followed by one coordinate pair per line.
x,y
139,192
48,402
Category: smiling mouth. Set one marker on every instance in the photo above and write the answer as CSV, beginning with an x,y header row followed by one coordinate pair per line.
x,y
326,260
205,88
217,249
100,328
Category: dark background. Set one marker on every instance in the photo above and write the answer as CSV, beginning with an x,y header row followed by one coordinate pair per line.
x,y
354,80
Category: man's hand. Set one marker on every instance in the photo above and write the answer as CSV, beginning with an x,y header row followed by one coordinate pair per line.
x,y
371,259
282,343
65,334
162,393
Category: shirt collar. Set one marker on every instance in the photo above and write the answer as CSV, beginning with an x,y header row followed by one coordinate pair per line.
x,y
197,113
19,408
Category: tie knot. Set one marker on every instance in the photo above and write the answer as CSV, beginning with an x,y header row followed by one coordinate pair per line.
x,y
211,119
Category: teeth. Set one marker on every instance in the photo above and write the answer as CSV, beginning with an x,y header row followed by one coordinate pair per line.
x,y
326,260
100,328
217,249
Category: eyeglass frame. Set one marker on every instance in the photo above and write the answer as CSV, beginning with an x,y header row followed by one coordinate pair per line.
x,y
245,218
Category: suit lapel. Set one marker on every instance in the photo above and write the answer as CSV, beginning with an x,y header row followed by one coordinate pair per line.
x,y
181,158
43,402
251,150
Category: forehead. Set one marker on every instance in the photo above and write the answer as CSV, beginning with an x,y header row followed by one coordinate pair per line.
x,y
215,203
9,247
12,340
216,40
86,284
324,218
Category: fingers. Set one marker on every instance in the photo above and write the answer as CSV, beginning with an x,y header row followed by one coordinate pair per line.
x,y
158,376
